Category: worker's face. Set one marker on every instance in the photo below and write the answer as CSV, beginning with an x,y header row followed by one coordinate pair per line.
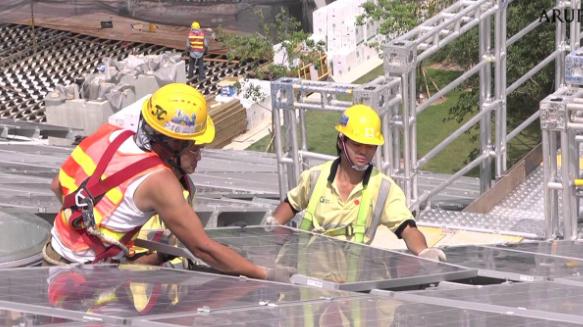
x,y
189,158
360,154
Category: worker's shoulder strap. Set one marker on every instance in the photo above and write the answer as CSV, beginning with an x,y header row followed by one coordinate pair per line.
x,y
384,189
318,179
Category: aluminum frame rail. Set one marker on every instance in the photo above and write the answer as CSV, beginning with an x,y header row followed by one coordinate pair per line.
x,y
561,115
404,54
292,98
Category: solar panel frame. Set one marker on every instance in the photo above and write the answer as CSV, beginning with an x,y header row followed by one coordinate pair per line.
x,y
556,248
368,310
283,245
514,265
540,300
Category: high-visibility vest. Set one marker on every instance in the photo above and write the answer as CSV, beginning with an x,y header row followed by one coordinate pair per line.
x,y
356,231
196,40
96,168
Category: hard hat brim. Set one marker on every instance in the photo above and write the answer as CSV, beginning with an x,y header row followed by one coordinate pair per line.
x,y
209,134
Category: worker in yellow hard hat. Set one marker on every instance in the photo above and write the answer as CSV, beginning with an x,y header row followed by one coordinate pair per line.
x,y
348,198
115,180
197,47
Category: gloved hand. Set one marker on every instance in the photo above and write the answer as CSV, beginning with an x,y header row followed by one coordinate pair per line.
x,y
280,274
433,254
271,221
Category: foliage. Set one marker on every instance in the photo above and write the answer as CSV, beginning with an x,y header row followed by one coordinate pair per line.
x,y
254,46
285,29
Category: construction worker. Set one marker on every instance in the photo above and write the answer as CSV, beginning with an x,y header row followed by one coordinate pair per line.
x,y
197,47
348,198
115,180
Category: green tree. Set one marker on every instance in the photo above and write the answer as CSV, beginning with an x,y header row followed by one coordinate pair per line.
x,y
286,30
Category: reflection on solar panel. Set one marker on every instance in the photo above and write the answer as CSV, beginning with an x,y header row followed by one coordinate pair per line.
x,y
325,262
21,238
571,249
362,311
547,300
113,294
513,265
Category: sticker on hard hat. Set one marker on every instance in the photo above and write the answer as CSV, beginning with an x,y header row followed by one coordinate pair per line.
x,y
182,129
185,120
343,120
369,132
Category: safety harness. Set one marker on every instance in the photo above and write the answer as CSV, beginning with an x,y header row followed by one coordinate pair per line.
x,y
82,201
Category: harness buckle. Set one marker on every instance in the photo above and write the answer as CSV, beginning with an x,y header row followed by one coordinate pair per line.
x,y
349,231
85,202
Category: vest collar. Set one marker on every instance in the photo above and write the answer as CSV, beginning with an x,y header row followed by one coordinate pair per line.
x,y
334,169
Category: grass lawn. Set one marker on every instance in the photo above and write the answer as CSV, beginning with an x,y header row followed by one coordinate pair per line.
x,y
432,128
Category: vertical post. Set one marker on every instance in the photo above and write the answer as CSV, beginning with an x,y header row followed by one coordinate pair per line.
x,y
567,171
575,32
560,37
276,121
295,150
413,175
500,86
485,97
550,216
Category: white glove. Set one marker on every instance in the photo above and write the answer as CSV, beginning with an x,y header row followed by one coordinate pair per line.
x,y
433,254
271,221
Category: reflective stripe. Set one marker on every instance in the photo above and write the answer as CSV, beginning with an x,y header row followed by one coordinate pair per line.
x,y
316,193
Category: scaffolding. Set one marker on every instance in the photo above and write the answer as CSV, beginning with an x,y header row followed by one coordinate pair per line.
x,y
402,56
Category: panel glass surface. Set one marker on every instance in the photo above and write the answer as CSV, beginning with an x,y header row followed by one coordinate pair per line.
x,y
544,296
352,266
511,264
573,249
132,291
22,235
16,318
365,311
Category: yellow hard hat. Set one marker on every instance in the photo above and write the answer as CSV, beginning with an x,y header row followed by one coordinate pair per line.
x,y
179,111
195,25
361,124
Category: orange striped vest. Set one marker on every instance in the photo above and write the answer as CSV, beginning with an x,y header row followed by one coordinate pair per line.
x,y
196,39
78,167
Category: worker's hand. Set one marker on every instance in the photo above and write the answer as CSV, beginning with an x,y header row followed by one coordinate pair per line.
x,y
433,254
270,223
280,273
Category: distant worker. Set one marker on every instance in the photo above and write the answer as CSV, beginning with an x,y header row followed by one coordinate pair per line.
x,y
197,47
348,198
115,180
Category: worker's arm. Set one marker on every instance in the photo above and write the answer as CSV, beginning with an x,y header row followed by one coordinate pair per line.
x,y
414,239
296,200
283,213
162,193
56,188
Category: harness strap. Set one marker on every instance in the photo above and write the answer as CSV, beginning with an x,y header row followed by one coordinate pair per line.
x,y
69,200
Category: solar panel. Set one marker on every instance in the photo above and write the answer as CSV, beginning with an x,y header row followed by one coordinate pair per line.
x,y
547,300
362,311
569,249
512,265
22,235
115,294
329,263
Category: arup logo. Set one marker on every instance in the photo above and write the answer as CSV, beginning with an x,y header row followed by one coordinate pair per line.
x,y
567,15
